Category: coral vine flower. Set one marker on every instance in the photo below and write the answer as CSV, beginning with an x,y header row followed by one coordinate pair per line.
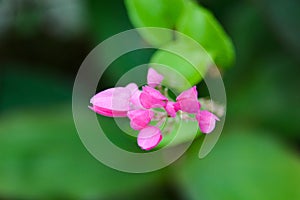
x,y
187,101
207,121
112,102
139,106
135,96
132,87
171,109
152,98
139,119
135,100
149,137
153,78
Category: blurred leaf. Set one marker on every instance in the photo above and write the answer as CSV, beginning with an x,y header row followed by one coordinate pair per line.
x,y
271,96
155,13
182,63
202,26
42,157
243,165
185,131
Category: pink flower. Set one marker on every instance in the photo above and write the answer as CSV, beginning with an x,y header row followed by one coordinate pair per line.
x,y
207,121
135,96
135,100
149,137
153,78
138,107
113,102
139,119
132,87
171,109
152,98
187,101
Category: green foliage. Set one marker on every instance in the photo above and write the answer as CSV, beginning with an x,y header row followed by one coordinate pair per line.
x,y
276,105
182,63
186,17
202,26
263,87
244,165
41,154
189,67
155,13
184,131
42,157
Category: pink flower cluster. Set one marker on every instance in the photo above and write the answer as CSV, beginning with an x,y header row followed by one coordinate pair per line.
x,y
140,106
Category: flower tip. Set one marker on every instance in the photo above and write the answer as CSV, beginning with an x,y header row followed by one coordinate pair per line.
x,y
92,108
113,102
139,119
149,138
154,78
188,94
132,87
152,98
207,121
171,109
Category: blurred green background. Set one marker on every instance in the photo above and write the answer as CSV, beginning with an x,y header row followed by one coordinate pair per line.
x,y
42,45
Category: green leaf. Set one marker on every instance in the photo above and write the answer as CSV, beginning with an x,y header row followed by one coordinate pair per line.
x,y
42,157
202,26
271,92
183,63
185,131
244,165
155,13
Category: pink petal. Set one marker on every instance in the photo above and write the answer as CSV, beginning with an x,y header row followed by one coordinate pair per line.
x,y
153,92
171,109
135,96
153,78
108,113
188,94
132,87
187,101
207,121
139,119
152,98
113,102
176,106
135,100
149,137
189,105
